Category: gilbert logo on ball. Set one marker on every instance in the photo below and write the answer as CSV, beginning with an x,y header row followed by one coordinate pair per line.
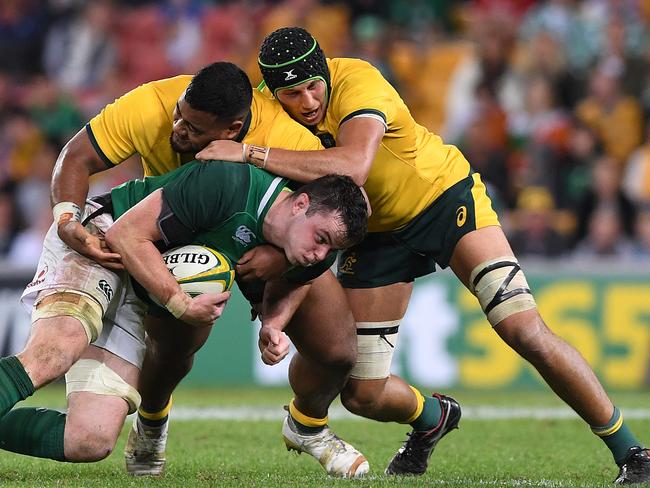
x,y
200,269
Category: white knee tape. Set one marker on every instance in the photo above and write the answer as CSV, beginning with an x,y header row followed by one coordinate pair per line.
x,y
376,343
95,377
501,288
72,303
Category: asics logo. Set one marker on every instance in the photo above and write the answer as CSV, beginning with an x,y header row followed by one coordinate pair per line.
x,y
290,75
461,216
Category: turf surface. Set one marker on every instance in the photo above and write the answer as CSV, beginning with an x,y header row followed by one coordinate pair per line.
x,y
245,453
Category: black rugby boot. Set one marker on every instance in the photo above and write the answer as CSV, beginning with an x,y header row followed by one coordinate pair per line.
x,y
635,468
413,457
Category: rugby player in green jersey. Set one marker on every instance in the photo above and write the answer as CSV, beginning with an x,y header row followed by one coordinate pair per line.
x,y
166,122
76,302
429,209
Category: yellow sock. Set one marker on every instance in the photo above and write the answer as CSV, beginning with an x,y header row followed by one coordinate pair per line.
x,y
303,420
418,408
154,416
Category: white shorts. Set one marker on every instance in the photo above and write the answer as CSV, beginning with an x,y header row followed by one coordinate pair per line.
x,y
60,268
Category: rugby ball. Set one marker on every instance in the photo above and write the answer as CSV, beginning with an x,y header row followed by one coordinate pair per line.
x,y
200,269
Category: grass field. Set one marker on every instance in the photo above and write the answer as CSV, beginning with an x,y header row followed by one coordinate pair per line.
x,y
210,446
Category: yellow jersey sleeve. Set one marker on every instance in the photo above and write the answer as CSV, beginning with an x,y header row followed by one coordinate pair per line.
x,y
412,166
140,122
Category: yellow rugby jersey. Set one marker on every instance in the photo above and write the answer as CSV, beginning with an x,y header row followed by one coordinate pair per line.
x,y
141,122
412,166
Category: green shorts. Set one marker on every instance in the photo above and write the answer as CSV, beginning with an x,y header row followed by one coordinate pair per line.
x,y
384,258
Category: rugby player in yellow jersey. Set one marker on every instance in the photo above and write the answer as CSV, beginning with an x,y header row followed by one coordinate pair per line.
x,y
429,208
166,122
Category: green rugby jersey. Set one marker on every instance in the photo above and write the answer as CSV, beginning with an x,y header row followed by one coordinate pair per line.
x,y
223,204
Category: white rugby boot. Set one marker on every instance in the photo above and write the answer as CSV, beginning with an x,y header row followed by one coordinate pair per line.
x,y
339,458
145,449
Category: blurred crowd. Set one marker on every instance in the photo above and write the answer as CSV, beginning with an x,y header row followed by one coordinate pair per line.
x,y
548,100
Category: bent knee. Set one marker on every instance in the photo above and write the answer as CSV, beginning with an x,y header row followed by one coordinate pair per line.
x,y
528,335
334,355
360,397
88,446
340,361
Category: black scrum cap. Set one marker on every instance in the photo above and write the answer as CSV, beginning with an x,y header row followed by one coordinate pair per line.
x,y
290,56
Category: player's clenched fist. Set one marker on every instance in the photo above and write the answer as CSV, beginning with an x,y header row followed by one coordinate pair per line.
x,y
273,344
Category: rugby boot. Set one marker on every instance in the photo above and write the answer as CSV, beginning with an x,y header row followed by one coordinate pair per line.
x,y
338,457
413,457
145,449
635,468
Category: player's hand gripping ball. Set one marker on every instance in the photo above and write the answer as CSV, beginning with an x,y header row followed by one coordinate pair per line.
x,y
200,269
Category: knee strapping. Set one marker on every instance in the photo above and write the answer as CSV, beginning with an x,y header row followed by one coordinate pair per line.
x,y
71,303
92,376
376,344
501,288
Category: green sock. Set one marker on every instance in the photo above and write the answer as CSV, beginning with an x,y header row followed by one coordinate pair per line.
x,y
15,384
617,436
35,432
430,416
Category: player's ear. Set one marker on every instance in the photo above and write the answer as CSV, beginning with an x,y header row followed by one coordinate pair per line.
x,y
300,203
234,129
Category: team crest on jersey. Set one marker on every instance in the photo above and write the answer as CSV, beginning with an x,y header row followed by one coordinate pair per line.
x,y
290,75
348,265
244,235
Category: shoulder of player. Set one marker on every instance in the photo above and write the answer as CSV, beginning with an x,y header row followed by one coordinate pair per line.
x,y
220,173
343,68
164,88
267,115
264,106
152,101
169,90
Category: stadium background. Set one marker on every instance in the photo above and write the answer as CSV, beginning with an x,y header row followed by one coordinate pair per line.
x,y
548,100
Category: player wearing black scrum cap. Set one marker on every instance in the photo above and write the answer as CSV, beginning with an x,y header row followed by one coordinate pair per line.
x,y
429,207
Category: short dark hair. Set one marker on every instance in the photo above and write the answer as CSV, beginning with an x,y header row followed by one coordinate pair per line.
x,y
222,89
339,194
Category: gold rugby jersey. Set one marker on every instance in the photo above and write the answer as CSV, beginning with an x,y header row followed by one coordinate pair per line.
x,y
141,122
412,166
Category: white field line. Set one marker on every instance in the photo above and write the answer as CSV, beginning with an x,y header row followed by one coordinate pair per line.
x,y
246,412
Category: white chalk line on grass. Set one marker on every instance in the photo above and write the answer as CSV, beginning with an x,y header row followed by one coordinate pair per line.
x,y
247,412
488,482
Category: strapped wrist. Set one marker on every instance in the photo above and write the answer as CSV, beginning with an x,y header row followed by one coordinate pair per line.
x,y
177,304
257,155
66,212
244,149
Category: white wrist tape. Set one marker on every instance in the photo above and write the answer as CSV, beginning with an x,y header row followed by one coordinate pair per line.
x,y
177,304
257,155
67,211
244,151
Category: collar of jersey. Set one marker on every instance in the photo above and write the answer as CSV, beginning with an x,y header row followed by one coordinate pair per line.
x,y
245,127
